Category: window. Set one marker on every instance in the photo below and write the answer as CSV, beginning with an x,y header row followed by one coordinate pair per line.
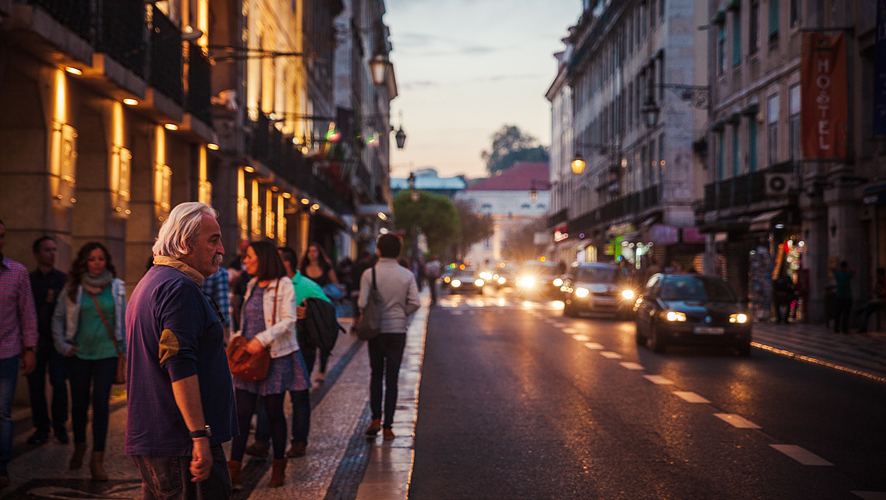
x,y
754,27
721,49
752,144
652,15
773,18
721,154
661,158
794,121
661,10
736,38
796,11
772,129
736,151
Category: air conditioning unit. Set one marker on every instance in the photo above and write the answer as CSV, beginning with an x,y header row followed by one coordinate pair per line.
x,y
780,184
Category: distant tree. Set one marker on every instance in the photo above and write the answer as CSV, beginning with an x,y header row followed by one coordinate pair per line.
x,y
473,227
510,145
434,215
519,243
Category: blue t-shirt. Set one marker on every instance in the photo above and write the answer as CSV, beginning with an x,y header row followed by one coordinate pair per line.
x,y
173,332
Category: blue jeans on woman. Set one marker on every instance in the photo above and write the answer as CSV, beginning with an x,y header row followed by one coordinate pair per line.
x,y
8,379
99,373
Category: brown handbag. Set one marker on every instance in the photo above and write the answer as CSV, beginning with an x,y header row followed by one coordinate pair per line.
x,y
120,376
250,367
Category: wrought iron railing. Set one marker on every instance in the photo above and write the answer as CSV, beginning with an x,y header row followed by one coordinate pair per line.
x,y
742,190
121,33
76,15
199,83
558,218
166,56
620,209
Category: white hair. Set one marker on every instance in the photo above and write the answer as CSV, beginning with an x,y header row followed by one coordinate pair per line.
x,y
180,229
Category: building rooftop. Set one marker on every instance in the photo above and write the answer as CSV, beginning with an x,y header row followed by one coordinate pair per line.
x,y
520,177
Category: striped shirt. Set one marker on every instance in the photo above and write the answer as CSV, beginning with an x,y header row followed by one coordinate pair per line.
x,y
18,317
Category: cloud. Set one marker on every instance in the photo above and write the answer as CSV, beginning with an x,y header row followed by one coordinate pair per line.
x,y
422,84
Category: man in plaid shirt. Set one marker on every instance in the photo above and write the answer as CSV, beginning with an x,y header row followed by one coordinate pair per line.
x,y
218,287
18,339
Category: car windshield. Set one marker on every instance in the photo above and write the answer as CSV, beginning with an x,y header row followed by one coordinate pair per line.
x,y
597,274
695,288
540,270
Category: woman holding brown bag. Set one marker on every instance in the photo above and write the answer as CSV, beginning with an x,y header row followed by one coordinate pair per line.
x,y
267,322
88,328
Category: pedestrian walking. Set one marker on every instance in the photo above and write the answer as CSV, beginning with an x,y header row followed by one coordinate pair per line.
x,y
268,322
399,293
47,283
782,296
300,399
88,329
433,269
877,302
18,341
843,297
180,394
316,266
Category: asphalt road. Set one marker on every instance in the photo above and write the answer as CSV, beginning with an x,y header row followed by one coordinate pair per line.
x,y
517,401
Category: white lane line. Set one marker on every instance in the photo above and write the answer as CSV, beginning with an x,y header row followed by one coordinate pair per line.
x,y
736,421
801,455
456,312
570,330
870,495
559,325
690,397
610,355
658,379
593,345
581,338
632,366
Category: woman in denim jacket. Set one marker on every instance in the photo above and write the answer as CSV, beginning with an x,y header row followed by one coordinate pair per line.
x,y
268,322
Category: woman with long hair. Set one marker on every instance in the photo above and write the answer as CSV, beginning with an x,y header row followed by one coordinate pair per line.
x,y
316,266
267,322
88,328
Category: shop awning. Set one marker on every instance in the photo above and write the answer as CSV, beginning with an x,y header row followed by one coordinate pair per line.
x,y
763,222
874,195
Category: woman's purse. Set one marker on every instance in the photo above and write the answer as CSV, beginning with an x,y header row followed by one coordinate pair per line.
x,y
250,367
368,325
120,376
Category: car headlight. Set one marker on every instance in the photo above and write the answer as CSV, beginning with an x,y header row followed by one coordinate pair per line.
x,y
740,318
501,280
486,275
581,292
455,283
627,294
675,316
479,282
446,279
527,282
558,282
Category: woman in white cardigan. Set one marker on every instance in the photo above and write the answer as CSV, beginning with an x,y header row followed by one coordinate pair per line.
x,y
89,311
268,322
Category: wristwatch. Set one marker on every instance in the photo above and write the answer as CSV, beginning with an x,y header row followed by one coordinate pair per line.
x,y
204,432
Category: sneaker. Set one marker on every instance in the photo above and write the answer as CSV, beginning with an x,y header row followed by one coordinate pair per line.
x,y
388,435
374,427
298,449
257,449
39,437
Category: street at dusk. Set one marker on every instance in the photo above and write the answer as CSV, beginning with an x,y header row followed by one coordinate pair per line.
x,y
443,250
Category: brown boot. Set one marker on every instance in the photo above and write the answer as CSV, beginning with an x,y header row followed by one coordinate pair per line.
x,y
97,466
77,458
278,473
236,477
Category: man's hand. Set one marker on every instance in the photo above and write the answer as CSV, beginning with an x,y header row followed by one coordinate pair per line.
x,y
28,362
201,460
254,346
301,312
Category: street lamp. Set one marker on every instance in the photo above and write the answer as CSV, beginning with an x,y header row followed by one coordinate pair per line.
x,y
378,68
533,192
578,163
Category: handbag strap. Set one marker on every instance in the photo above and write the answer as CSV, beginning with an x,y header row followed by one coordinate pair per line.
x,y
373,279
105,322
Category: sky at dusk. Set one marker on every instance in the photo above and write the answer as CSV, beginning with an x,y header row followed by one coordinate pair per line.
x,y
464,68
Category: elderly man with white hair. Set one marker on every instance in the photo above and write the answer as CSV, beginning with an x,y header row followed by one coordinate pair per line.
x,y
180,393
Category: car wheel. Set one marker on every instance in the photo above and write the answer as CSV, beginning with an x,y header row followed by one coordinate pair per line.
x,y
569,310
744,349
656,342
641,339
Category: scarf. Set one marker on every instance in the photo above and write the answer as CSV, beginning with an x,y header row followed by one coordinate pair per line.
x,y
95,283
190,272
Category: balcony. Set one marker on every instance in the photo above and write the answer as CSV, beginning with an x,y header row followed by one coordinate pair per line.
x,y
166,57
741,191
625,207
121,33
199,83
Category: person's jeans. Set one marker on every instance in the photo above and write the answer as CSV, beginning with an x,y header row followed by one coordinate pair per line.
x,y
301,419
8,379
385,355
168,478
842,306
99,373
49,358
273,404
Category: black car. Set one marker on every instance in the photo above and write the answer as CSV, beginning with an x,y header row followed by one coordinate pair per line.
x,y
597,287
691,309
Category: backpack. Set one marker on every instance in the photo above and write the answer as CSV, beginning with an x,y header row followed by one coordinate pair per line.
x,y
321,324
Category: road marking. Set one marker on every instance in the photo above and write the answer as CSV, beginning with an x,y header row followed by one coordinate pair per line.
x,y
801,455
581,338
610,355
736,421
593,345
570,330
690,397
658,379
456,312
559,325
870,495
632,366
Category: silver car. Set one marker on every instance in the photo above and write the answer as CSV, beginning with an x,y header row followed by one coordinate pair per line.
x,y
596,287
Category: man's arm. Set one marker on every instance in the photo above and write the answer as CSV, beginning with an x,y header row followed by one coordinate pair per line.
x,y
187,396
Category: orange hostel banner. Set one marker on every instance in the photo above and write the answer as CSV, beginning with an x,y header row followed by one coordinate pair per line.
x,y
825,96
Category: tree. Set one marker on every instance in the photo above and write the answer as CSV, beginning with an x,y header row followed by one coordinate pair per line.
x,y
510,145
432,214
519,245
473,227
